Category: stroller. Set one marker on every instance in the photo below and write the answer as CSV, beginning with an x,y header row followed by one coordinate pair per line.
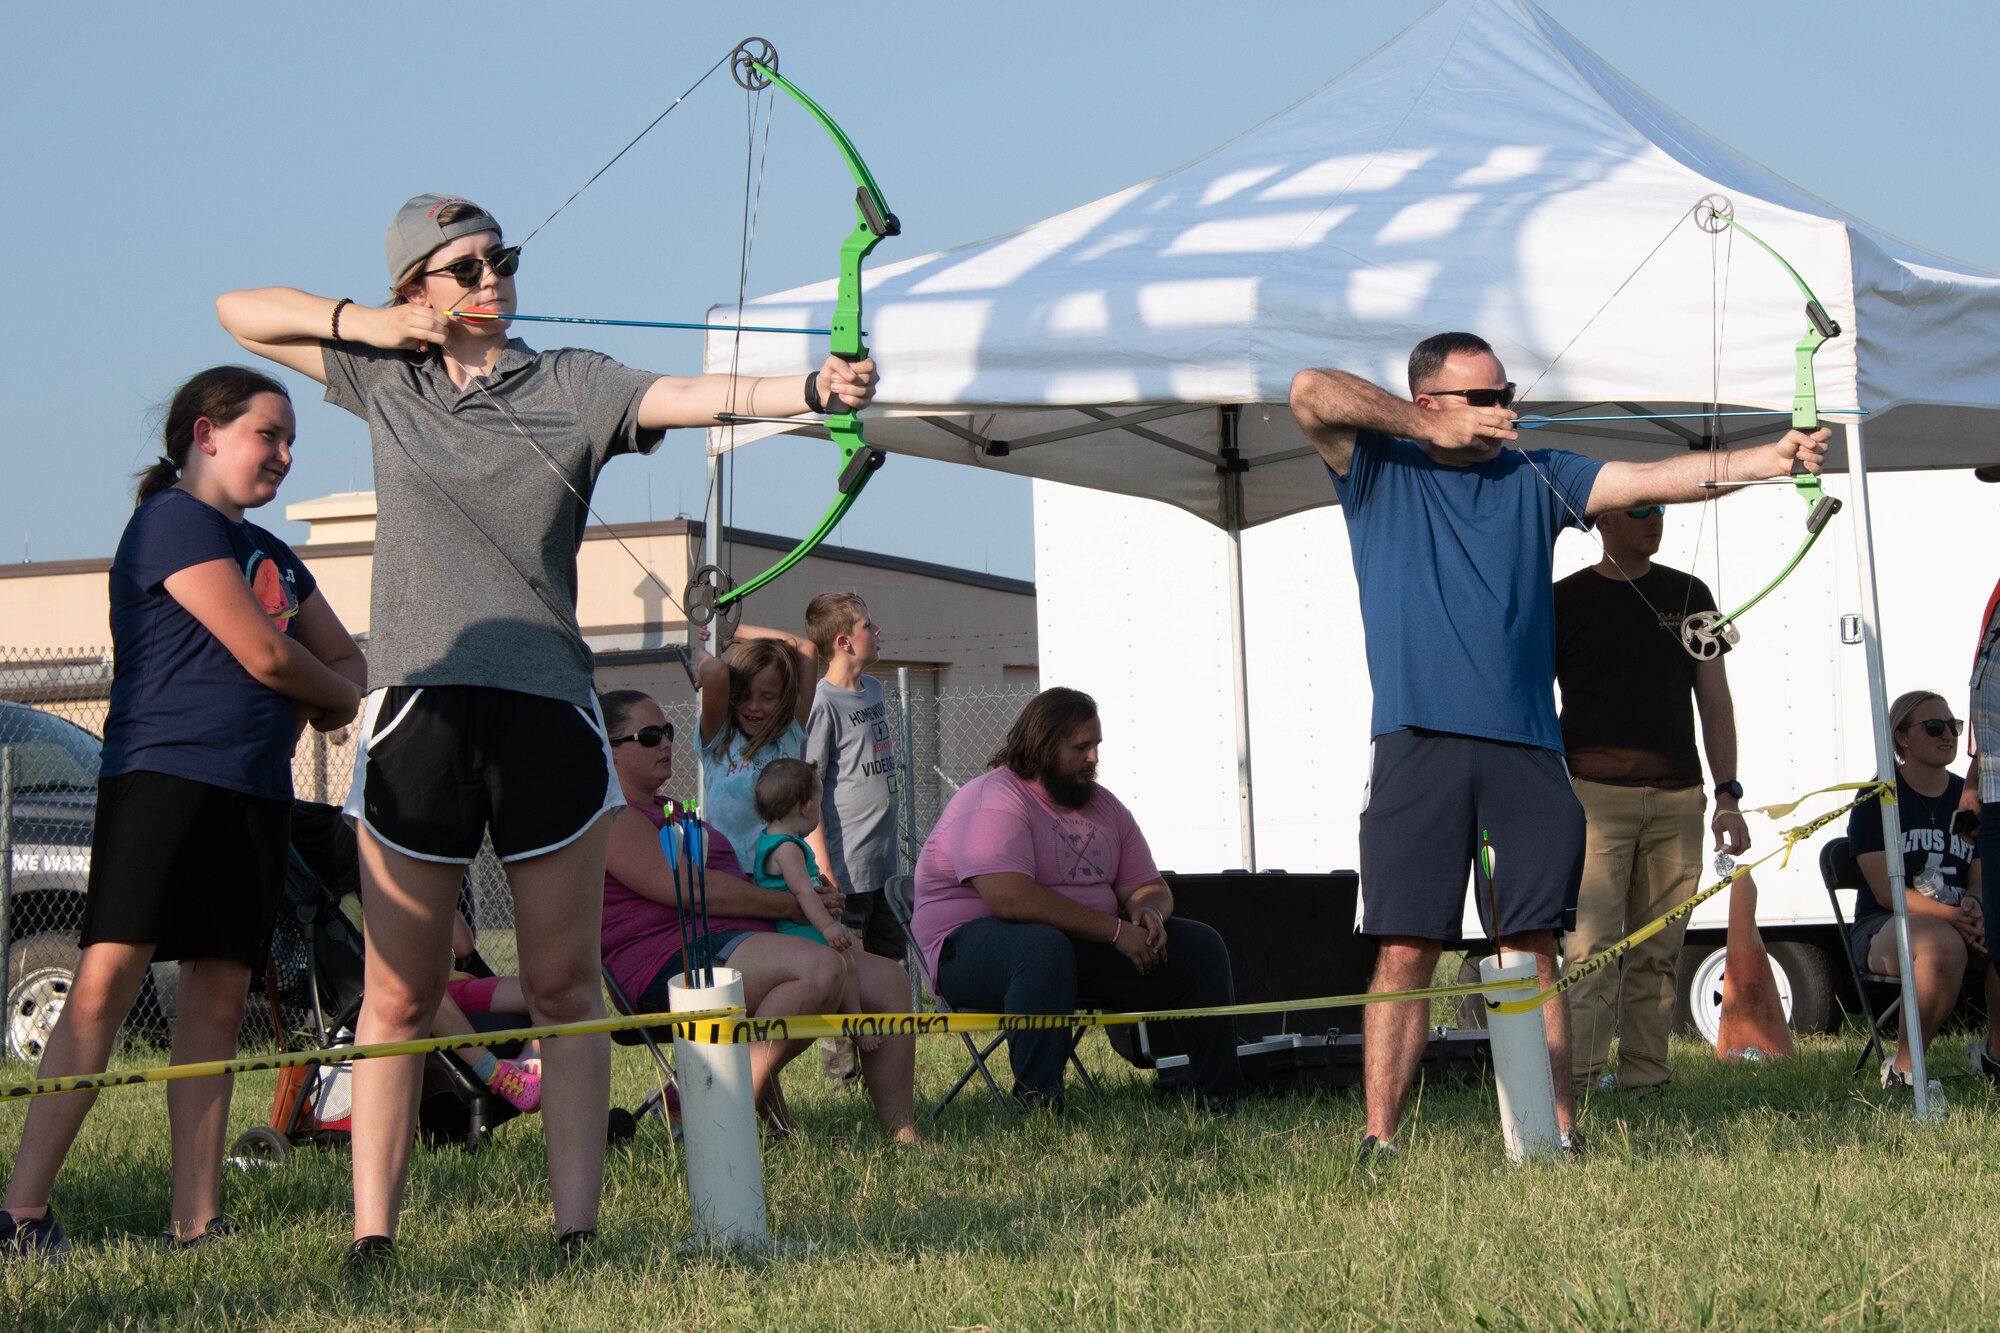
x,y
313,979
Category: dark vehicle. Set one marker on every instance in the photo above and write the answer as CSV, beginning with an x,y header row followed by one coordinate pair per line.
x,y
54,805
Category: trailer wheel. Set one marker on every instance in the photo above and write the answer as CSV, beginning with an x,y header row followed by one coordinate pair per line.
x,y
1804,977
1815,995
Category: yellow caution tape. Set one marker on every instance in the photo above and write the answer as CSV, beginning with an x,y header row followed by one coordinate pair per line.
x,y
1789,839
796,1027
733,1026
724,1027
333,1055
1886,790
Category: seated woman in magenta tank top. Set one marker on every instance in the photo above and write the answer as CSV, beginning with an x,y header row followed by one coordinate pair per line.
x,y
782,974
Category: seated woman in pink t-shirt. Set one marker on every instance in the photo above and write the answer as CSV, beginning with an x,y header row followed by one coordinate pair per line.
x,y
1036,887
782,974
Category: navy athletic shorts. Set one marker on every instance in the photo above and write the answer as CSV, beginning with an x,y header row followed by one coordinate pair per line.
x,y
441,764
1430,793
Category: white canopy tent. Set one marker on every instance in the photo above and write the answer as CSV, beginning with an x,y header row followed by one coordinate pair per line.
x,y
1483,171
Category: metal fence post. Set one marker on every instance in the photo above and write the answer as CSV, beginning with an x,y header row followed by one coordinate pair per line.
x,y
6,890
906,810
906,792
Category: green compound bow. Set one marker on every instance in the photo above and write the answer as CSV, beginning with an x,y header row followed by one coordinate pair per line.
x,y
1706,633
754,64
711,592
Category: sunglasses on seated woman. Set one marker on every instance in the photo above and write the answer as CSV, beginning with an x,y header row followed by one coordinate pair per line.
x,y
647,736
1937,726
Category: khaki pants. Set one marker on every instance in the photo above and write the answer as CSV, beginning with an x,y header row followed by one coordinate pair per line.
x,y
1643,849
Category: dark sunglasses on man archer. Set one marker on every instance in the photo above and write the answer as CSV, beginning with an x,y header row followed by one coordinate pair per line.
x,y
1938,726
1479,397
647,736
1646,511
465,272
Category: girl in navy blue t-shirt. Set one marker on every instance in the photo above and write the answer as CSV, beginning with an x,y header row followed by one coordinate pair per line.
x,y
223,649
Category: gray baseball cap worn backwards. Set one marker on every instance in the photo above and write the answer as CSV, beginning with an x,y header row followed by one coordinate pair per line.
x,y
416,231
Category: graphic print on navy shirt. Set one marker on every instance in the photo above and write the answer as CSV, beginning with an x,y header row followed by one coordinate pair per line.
x,y
274,587
1936,861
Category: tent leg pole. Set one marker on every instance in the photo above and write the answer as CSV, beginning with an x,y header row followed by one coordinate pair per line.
x,y
1239,659
711,534
1885,765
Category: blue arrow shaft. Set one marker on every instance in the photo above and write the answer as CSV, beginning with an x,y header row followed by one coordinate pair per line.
x,y
1532,420
639,323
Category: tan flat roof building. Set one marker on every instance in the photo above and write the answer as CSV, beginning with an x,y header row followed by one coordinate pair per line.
x,y
959,632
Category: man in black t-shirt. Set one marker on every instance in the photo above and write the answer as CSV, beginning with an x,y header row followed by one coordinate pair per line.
x,y
1630,696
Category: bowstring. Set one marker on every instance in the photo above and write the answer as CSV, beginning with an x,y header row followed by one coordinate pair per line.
x,y
755,158
1582,524
671,106
1721,262
572,620
1529,392
479,382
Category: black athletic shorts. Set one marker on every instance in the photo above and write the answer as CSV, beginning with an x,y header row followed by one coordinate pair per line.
x,y
190,868
1430,793
439,765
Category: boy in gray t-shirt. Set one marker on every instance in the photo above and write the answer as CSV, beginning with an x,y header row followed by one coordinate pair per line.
x,y
847,737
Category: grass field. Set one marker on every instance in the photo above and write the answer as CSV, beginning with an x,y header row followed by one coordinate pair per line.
x,y
1749,1196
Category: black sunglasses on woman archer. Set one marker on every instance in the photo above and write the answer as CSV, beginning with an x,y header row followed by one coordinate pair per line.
x,y
465,272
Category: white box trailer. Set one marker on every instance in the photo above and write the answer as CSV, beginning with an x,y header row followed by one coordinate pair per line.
x,y
1135,599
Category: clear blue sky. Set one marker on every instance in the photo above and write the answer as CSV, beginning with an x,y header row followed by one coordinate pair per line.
x,y
157,155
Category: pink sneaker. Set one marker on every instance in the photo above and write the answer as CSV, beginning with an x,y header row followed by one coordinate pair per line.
x,y
520,1086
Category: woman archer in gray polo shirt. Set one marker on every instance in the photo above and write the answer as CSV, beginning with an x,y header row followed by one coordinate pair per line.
x,y
482,715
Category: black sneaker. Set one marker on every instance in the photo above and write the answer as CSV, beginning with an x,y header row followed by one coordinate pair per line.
x,y
368,1254
1571,1145
1983,1063
37,1238
218,1228
574,1244
1374,1152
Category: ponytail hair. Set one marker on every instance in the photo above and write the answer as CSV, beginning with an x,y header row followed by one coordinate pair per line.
x,y
220,393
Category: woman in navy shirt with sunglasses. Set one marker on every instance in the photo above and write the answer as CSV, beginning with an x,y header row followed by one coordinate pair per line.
x,y
1940,872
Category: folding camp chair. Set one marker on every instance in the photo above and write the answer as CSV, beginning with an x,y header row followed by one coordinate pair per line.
x,y
1838,868
663,1101
900,892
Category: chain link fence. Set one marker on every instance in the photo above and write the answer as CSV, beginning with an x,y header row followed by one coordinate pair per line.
x,y
943,740
52,710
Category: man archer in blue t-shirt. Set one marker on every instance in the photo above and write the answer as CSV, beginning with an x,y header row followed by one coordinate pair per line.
x,y
1453,536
